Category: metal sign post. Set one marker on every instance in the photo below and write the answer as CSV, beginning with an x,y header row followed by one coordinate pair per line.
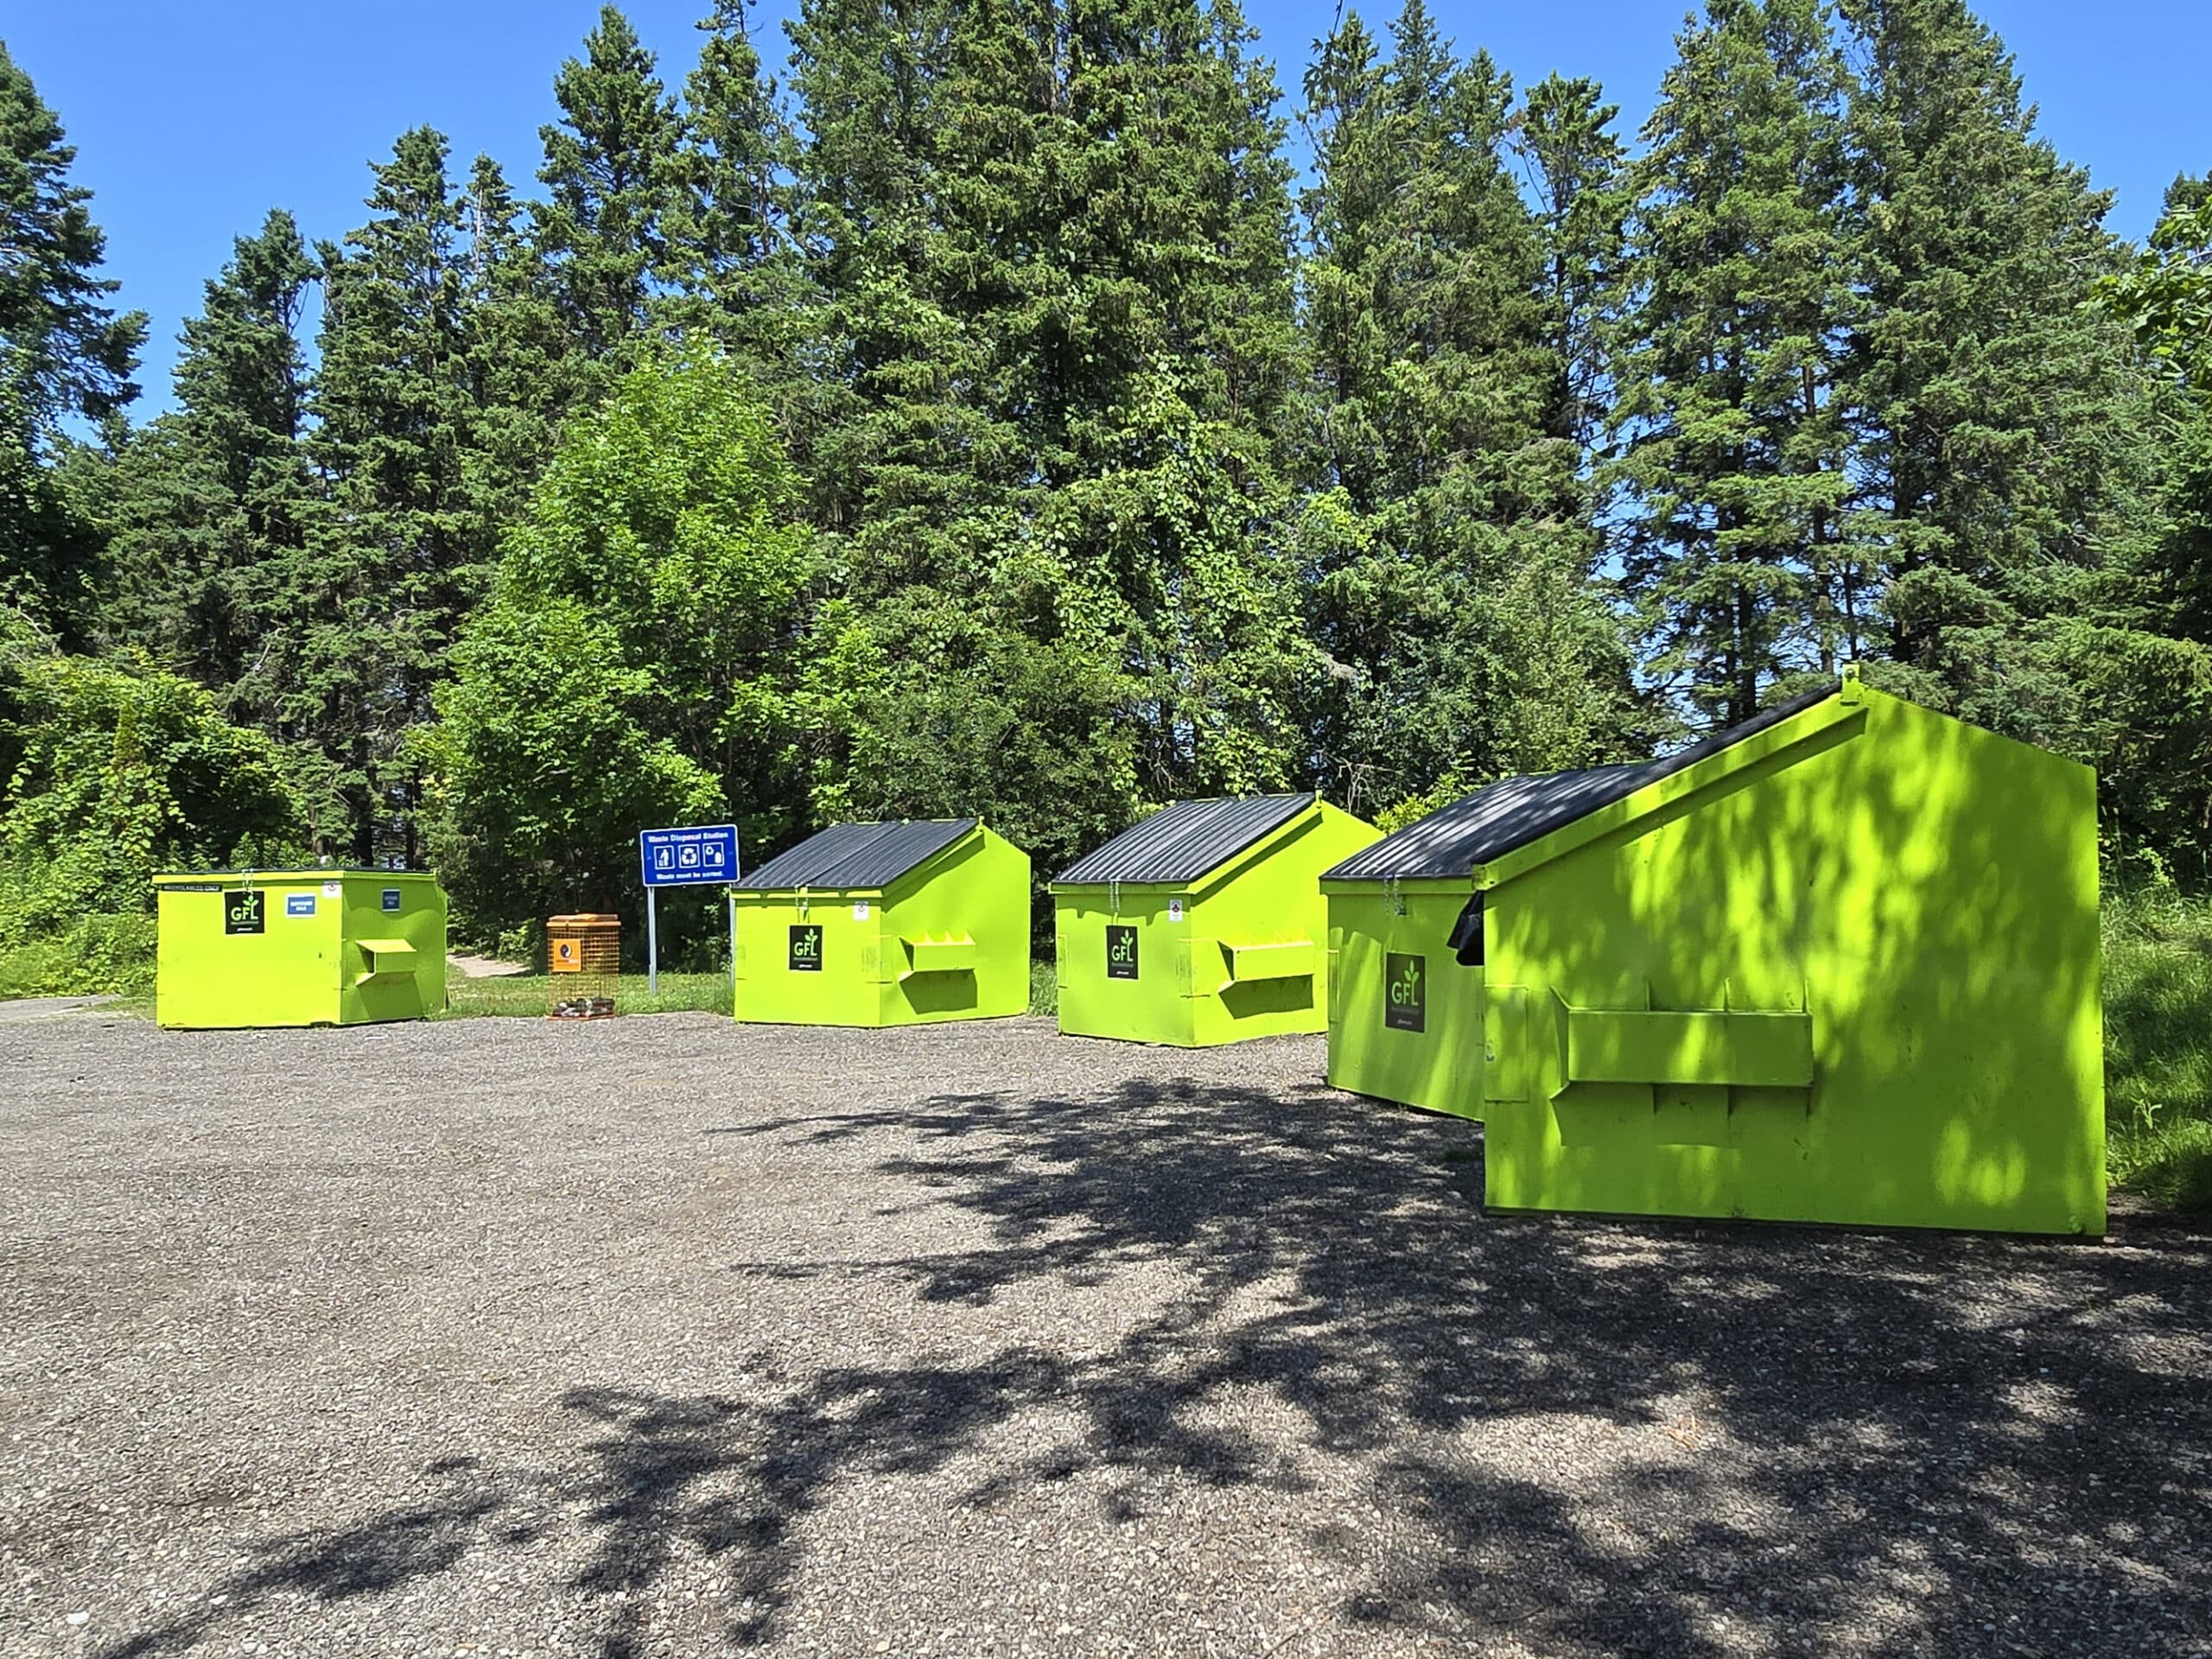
x,y
704,856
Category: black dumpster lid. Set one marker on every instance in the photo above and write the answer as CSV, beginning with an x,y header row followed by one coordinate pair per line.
x,y
856,855
1181,842
1513,811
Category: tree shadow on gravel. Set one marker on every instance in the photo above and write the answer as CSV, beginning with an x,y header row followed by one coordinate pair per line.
x,y
337,1564
1584,1436
1891,1442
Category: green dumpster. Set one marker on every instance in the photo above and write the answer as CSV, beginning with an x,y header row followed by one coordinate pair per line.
x,y
1839,963
1203,924
886,924
298,947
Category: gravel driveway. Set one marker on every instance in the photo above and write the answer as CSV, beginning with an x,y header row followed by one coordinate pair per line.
x,y
669,1337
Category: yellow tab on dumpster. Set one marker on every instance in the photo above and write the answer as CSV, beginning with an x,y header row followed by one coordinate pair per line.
x,y
940,955
1290,959
387,959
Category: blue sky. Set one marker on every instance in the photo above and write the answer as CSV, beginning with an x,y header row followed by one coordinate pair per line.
x,y
192,122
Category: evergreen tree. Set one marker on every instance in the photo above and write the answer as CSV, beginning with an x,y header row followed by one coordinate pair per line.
x,y
65,355
1575,166
1734,468
1449,541
211,505
615,186
513,366
1994,408
741,279
404,552
1160,382
1049,248
905,459
2188,193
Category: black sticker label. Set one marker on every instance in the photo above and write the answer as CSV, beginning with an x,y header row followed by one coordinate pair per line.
x,y
806,949
245,912
1407,985
1121,952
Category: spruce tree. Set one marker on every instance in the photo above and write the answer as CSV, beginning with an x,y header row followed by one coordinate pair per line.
x,y
1994,407
905,455
1448,541
1734,464
1048,245
403,554
613,181
1575,165
65,355
733,253
213,504
515,352
1166,372
930,186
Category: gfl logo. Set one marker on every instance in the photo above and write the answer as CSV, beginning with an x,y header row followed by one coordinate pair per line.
x,y
1405,990
1408,1006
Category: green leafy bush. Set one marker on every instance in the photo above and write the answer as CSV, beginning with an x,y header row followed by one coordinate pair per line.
x,y
2159,1045
114,770
636,662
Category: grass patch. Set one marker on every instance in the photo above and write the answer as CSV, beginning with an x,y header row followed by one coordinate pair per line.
x,y
2158,1046
526,994
1043,987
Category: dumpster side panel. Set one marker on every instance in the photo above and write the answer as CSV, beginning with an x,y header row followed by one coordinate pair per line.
x,y
283,972
1248,976
1405,1016
955,937
376,981
1915,895
1123,964
810,960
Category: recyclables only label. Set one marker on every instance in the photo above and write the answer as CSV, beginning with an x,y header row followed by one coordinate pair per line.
x,y
1406,985
299,904
391,898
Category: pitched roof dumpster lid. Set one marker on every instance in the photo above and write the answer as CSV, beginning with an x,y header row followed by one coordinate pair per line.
x,y
1182,842
1513,811
856,855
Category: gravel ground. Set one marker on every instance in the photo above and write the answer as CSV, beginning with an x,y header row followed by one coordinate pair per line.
x,y
671,1336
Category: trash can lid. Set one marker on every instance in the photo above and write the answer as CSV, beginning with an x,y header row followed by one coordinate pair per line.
x,y
856,856
1513,811
1180,843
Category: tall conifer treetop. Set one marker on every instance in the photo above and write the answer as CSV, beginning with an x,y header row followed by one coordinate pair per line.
x,y
67,351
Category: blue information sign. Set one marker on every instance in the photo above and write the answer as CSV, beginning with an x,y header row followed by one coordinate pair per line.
x,y
683,858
